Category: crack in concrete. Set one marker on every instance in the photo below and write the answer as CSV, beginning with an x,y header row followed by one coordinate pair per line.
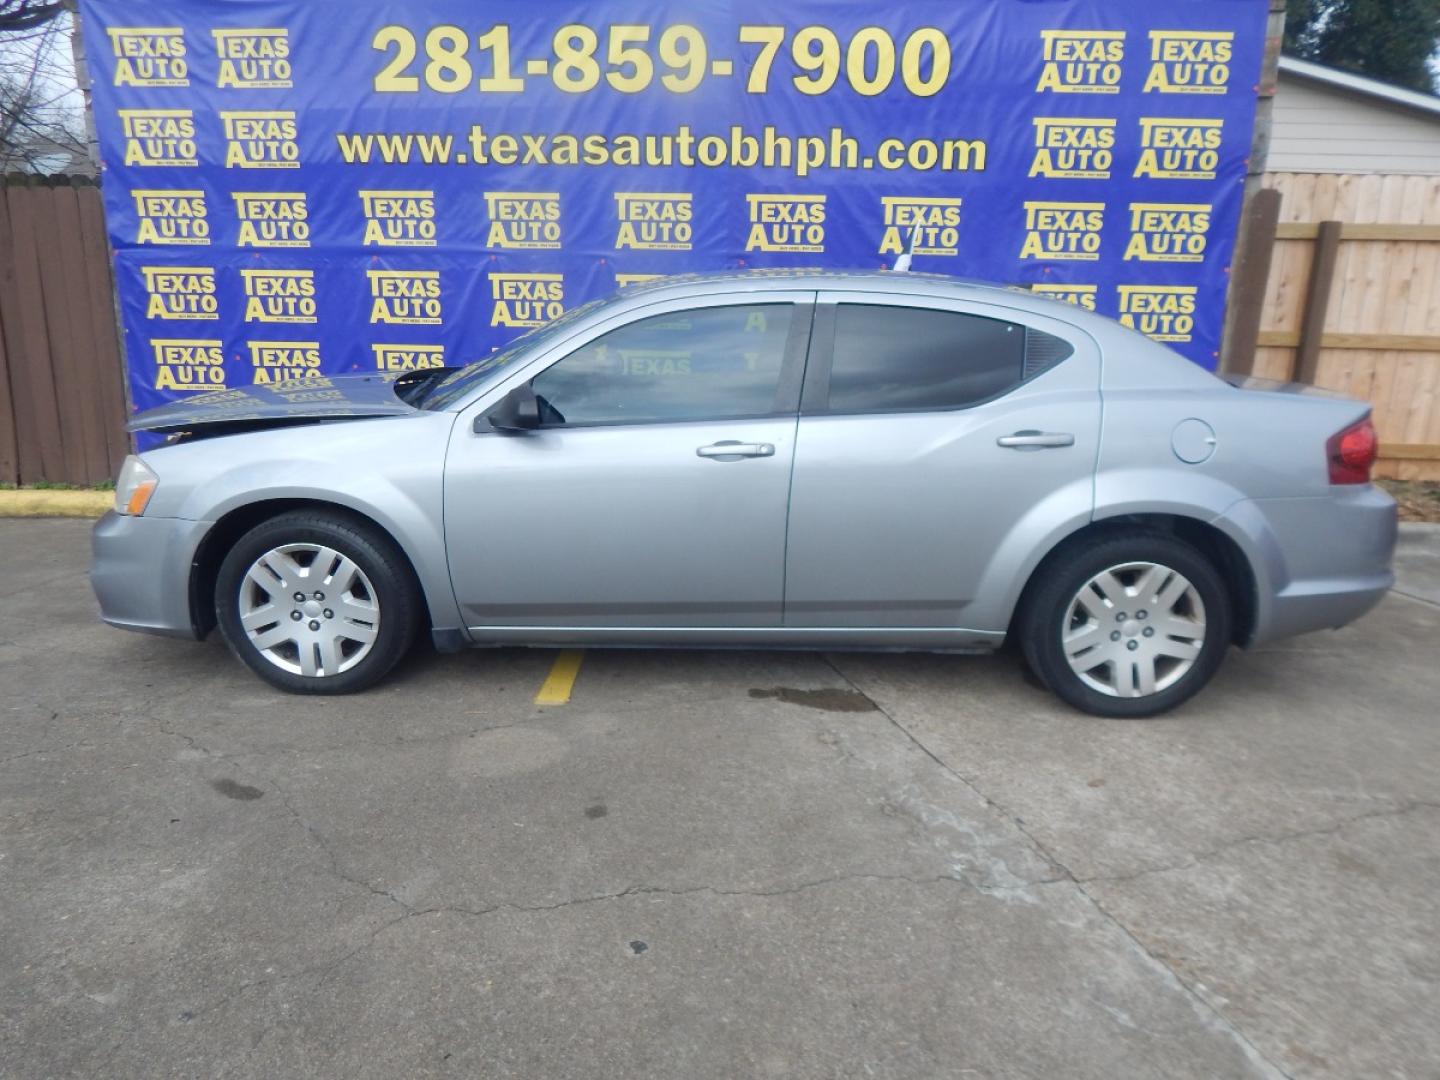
x,y
323,969
326,969
335,869
44,750
672,891
88,741
1418,599
1203,1007
399,743
161,731
10,594
189,740
1404,807
1217,1018
992,804
1062,876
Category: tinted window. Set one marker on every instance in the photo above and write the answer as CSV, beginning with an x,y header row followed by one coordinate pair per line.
x,y
913,358
459,383
706,364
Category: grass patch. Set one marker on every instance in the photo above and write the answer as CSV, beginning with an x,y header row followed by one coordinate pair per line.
x,y
1419,499
48,485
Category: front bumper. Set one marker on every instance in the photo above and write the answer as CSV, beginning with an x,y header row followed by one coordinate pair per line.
x,y
1319,563
140,571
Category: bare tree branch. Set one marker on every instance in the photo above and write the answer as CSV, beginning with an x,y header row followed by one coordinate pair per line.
x,y
41,121
17,15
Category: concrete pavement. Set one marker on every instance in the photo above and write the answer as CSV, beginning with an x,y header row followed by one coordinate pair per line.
x,y
1417,561
708,864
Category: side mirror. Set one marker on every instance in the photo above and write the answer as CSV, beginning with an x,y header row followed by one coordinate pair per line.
x,y
519,410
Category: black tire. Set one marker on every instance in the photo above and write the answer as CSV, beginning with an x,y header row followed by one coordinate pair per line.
x,y
1045,613
393,584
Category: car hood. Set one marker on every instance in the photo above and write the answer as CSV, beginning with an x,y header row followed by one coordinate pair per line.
x,y
317,397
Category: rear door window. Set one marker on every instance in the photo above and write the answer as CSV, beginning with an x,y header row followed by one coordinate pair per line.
x,y
890,359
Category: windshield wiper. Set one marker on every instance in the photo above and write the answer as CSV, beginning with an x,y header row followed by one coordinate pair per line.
x,y
413,386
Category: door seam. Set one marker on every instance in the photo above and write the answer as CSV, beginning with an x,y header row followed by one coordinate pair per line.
x,y
794,454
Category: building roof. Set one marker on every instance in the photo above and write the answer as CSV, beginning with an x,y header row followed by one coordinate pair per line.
x,y
1360,85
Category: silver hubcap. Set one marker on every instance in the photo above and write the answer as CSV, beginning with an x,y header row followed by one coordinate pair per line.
x,y
1134,630
309,610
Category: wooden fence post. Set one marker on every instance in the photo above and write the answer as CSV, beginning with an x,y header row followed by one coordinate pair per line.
x,y
1231,351
1251,279
9,445
39,447
1317,301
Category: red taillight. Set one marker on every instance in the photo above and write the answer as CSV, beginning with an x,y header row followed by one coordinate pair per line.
x,y
1352,453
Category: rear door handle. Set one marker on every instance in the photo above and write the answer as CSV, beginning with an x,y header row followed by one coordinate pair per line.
x,y
1036,440
731,450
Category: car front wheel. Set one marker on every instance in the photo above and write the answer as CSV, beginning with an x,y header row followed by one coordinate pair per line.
x,y
317,602
1130,626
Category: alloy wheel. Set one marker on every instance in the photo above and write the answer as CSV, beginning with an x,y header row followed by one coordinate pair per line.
x,y
1134,630
309,610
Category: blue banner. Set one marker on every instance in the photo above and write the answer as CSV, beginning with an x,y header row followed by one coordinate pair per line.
x,y
311,187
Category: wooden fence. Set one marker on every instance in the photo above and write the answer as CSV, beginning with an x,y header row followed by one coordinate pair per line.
x,y
1353,303
62,391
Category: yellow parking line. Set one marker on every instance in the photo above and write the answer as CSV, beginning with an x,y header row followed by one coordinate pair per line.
x,y
555,690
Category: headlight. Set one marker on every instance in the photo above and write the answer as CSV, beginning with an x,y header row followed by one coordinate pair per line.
x,y
133,489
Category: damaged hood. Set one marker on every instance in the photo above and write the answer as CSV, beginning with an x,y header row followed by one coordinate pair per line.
x,y
317,397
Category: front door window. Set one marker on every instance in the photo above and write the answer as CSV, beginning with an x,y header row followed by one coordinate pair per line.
x,y
719,363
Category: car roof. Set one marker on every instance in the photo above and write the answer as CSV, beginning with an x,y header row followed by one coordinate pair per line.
x,y
1131,358
772,279
685,286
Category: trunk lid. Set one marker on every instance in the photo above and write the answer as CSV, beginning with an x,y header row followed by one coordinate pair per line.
x,y
1275,386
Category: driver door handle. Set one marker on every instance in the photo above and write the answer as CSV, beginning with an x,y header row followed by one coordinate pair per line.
x,y
1036,440
733,451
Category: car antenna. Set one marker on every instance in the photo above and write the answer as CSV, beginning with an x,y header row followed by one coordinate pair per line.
x,y
902,264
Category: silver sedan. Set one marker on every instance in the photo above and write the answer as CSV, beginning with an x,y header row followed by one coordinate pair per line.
x,y
813,460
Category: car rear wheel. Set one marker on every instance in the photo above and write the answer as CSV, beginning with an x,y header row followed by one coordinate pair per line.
x,y
1130,626
317,602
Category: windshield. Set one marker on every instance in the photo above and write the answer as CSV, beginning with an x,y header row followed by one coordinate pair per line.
x,y
459,383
